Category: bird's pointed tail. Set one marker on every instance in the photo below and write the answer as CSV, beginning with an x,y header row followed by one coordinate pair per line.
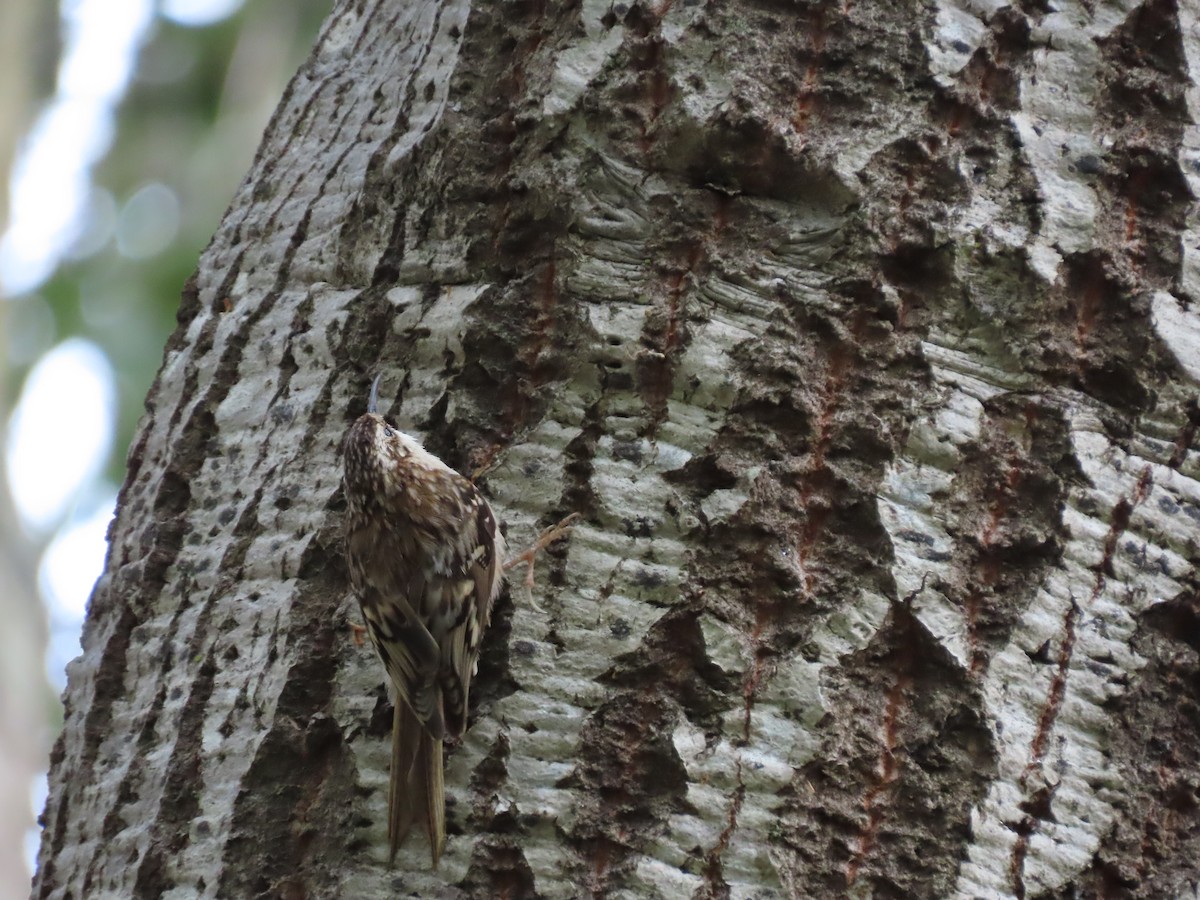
x,y
416,792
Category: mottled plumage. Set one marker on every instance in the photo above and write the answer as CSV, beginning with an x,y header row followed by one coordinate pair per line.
x,y
426,561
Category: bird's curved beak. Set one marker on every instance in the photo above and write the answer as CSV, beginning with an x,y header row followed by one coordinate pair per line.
x,y
373,400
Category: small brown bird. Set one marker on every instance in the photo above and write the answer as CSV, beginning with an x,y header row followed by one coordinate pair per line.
x,y
426,561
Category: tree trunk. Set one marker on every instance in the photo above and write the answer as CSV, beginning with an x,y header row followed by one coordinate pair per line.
x,y
862,337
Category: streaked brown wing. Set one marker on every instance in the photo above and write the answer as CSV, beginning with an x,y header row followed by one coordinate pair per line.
x,y
460,647
409,653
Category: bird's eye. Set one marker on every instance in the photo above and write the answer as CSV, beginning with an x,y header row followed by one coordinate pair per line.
x,y
387,432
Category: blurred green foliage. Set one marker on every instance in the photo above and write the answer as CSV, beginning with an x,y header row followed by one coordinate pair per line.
x,y
191,122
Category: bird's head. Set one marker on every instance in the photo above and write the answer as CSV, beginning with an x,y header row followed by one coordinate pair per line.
x,y
380,461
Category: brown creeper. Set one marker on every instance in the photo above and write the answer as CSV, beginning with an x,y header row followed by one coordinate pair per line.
x,y
425,559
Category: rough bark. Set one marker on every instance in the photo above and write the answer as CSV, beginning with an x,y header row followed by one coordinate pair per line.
x,y
862,337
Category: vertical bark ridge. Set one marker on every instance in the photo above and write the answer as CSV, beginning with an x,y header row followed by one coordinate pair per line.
x,y
911,754
284,830
630,779
1003,523
1144,853
171,830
